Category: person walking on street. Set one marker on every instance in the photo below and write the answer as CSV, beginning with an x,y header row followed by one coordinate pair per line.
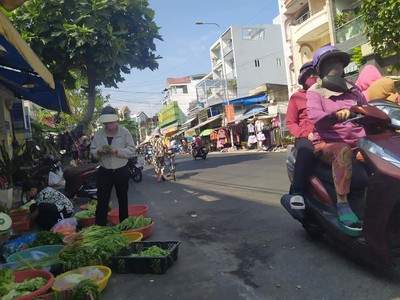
x,y
112,146
302,129
159,150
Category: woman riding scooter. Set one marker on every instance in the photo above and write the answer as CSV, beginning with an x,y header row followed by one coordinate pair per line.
x,y
334,141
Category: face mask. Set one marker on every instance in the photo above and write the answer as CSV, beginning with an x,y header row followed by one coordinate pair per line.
x,y
310,81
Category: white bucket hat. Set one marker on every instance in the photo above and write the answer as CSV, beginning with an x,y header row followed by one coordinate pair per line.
x,y
108,114
156,132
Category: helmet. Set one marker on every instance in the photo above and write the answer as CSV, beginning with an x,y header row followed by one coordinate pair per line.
x,y
306,70
329,51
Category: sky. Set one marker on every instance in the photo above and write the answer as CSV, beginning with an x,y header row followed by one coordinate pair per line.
x,y
185,46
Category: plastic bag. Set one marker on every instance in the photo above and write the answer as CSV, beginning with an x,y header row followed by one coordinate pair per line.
x,y
65,226
56,178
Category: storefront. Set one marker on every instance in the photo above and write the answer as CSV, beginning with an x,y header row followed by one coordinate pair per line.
x,y
169,119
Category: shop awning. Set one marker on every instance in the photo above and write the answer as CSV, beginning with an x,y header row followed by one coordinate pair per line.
x,y
188,121
24,74
170,129
21,56
256,109
209,120
248,100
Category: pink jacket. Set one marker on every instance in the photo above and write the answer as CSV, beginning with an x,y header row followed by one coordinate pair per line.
x,y
322,105
296,116
368,76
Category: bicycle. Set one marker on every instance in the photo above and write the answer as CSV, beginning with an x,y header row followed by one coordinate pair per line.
x,y
171,166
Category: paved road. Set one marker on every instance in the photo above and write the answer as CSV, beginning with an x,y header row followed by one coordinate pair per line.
x,y
237,241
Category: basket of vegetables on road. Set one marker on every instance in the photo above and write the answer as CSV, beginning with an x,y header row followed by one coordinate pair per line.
x,y
24,285
137,224
86,217
146,257
133,211
91,205
69,280
41,257
93,245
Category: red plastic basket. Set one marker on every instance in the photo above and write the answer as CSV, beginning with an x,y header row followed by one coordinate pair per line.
x,y
146,231
133,211
87,222
21,225
20,276
19,216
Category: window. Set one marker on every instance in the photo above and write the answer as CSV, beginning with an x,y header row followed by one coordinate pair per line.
x,y
253,33
257,63
279,62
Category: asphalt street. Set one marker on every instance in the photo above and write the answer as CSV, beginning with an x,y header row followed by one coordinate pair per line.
x,y
237,241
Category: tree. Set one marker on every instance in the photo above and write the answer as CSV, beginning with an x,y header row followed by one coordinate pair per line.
x,y
79,102
100,39
382,21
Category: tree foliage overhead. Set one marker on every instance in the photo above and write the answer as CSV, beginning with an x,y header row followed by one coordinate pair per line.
x,y
382,20
100,39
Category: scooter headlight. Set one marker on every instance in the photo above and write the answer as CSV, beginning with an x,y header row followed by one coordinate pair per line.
x,y
374,148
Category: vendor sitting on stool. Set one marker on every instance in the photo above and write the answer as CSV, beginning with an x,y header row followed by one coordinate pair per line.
x,y
50,207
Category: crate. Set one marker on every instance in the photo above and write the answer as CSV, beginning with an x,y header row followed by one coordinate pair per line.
x,y
123,263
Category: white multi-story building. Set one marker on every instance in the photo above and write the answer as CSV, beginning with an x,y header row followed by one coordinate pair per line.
x,y
182,90
243,58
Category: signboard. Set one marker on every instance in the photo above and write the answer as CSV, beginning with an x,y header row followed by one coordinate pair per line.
x,y
169,114
18,115
230,113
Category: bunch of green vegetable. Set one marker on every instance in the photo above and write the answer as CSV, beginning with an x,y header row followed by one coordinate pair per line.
x,y
93,245
92,204
133,223
9,289
84,288
44,238
153,251
84,214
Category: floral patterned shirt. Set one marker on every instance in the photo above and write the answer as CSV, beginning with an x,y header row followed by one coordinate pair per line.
x,y
52,196
158,147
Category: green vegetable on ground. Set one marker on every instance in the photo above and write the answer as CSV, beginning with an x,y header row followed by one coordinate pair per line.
x,y
24,288
44,238
84,214
153,251
133,223
6,281
85,287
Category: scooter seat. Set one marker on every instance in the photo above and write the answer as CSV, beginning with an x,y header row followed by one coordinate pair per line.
x,y
73,171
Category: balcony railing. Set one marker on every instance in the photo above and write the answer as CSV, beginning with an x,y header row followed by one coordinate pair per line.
x,y
307,15
349,30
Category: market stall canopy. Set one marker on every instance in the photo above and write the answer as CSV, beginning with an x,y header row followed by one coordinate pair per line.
x,y
24,74
206,132
209,120
24,59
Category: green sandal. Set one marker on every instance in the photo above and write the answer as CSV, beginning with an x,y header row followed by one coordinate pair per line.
x,y
351,231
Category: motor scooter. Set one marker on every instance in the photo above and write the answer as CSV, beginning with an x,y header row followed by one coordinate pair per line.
x,y
375,189
149,154
80,181
201,152
135,169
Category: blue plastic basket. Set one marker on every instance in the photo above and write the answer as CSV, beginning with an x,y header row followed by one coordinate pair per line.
x,y
38,253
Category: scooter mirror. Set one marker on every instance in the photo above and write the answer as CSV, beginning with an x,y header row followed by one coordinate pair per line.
x,y
335,83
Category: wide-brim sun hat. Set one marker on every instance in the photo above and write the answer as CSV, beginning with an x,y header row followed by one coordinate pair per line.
x,y
329,51
107,115
156,132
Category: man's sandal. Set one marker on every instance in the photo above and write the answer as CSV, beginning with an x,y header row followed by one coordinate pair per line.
x,y
353,227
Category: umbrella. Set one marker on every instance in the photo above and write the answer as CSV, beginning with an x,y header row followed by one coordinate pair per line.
x,y
206,132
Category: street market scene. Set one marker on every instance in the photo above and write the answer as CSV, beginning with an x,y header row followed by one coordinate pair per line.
x,y
163,149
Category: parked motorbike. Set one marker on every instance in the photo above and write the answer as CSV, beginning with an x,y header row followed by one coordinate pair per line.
x,y
135,168
199,152
375,189
80,181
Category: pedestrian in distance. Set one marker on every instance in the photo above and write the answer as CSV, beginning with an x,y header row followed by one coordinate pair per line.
x,y
112,145
159,149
